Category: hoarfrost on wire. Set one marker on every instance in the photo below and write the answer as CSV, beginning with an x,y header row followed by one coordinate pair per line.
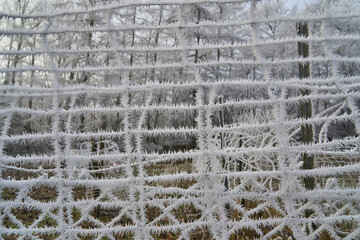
x,y
174,119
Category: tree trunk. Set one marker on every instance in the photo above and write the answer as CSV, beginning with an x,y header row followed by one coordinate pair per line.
x,y
307,135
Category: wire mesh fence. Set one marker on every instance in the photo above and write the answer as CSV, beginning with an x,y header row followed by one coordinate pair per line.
x,y
170,119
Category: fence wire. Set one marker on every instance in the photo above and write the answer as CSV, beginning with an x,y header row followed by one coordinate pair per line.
x,y
180,120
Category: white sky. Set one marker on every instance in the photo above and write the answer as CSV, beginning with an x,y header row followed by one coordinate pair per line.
x,y
289,3
292,3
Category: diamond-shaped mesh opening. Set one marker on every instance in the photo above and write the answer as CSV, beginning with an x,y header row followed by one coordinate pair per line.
x,y
43,193
26,216
105,214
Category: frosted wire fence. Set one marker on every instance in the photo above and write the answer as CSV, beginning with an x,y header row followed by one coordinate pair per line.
x,y
180,120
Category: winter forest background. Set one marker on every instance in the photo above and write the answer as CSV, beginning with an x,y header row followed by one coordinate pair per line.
x,y
165,119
